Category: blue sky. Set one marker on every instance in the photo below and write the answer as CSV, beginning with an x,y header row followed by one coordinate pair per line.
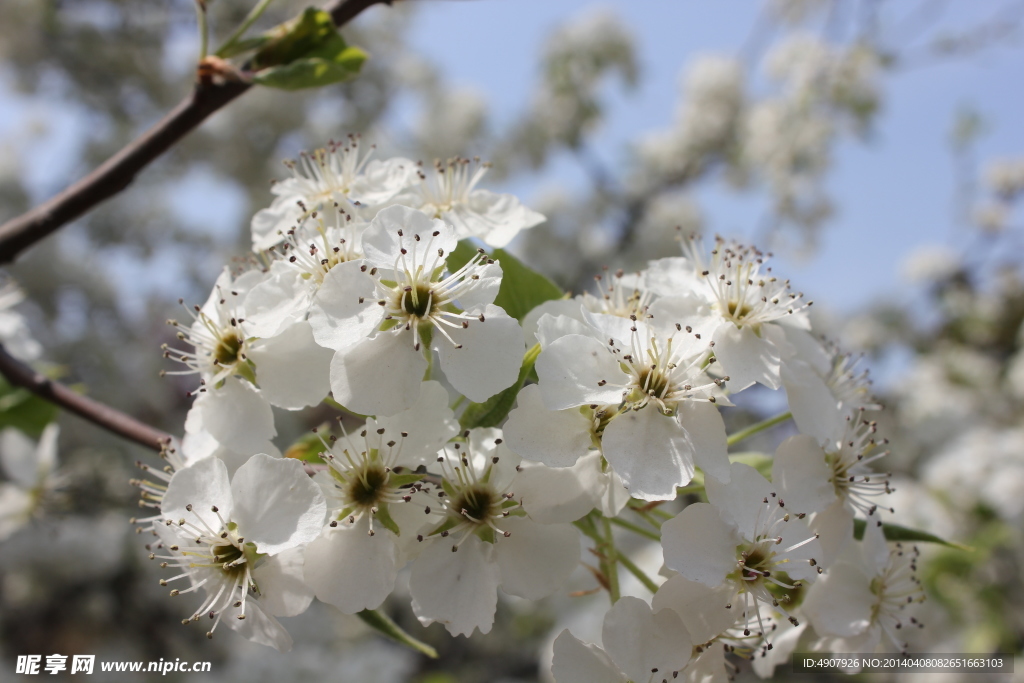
x,y
894,192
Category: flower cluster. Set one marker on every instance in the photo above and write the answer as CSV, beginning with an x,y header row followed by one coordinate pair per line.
x,y
362,304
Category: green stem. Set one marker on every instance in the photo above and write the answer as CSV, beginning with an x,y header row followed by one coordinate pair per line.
x,y
635,529
458,402
250,19
612,556
383,624
638,573
748,432
204,33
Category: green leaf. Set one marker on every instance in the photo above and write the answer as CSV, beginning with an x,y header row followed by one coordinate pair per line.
x,y
522,288
383,624
308,447
491,412
24,410
306,53
895,532
313,72
461,255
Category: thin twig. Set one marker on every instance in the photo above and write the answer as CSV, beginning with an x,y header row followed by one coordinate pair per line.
x,y
100,414
114,175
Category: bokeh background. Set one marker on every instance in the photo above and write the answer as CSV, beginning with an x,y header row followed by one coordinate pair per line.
x,y
875,146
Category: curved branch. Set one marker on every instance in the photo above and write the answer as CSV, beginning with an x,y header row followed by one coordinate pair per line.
x,y
120,170
100,414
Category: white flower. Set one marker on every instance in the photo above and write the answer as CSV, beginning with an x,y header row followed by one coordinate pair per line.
x,y
376,502
238,540
300,264
31,469
492,545
662,421
825,390
14,332
449,192
378,319
745,538
860,599
325,178
640,645
241,376
748,313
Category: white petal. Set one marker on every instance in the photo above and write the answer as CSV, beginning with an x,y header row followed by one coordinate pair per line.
x,y
555,308
490,356
345,308
382,179
380,375
834,525
561,494
784,640
641,642
277,506
270,224
279,301
650,451
203,486
801,475
840,602
457,589
571,369
746,358
15,509
258,626
741,500
706,429
283,592
428,426
672,276
485,287
562,317
293,371
498,217
814,406
808,349
18,455
703,609
536,559
554,437
615,496
699,544
383,245
578,662
237,415
350,569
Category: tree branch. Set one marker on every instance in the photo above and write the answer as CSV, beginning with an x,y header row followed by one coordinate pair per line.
x,y
102,415
120,170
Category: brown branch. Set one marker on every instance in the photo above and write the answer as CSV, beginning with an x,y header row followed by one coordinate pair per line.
x,y
100,414
120,170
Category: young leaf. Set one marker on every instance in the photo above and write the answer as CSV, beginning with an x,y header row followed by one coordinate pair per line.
x,y
895,532
307,53
491,412
522,288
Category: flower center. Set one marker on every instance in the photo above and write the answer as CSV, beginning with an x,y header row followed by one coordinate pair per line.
x,y
230,557
476,503
738,310
365,490
418,300
653,382
229,348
